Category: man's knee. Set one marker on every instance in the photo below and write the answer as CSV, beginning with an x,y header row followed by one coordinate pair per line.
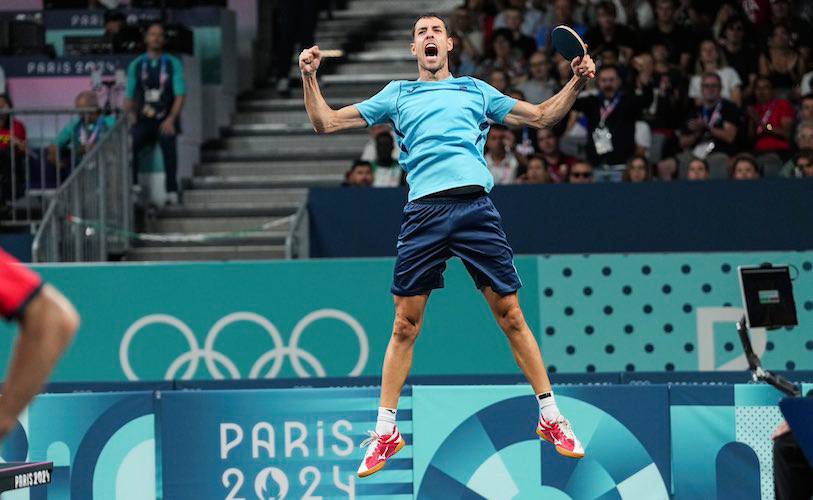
x,y
511,319
406,327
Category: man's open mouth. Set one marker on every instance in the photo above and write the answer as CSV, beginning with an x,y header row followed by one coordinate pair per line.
x,y
431,49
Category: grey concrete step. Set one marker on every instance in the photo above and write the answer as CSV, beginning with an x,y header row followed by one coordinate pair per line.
x,y
212,196
267,209
400,54
197,253
376,45
249,105
221,239
297,117
273,169
409,68
331,92
395,7
266,181
269,144
214,224
282,153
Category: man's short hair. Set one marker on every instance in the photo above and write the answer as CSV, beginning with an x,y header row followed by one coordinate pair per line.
x,y
360,163
430,15
155,22
608,7
805,124
605,67
807,154
712,74
703,161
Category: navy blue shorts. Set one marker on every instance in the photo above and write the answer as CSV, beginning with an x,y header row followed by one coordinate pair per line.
x,y
435,229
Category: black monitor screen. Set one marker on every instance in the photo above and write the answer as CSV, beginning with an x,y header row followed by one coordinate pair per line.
x,y
768,296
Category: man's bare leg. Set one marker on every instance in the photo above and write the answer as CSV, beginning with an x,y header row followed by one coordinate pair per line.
x,y
46,329
552,426
398,359
526,351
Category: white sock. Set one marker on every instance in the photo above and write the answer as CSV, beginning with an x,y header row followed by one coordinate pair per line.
x,y
386,421
547,406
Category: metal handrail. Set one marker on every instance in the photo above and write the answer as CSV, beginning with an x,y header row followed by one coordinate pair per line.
x,y
296,241
87,194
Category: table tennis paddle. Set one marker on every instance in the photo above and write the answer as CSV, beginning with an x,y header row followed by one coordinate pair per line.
x,y
567,42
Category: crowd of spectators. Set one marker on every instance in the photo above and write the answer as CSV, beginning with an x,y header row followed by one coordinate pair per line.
x,y
686,89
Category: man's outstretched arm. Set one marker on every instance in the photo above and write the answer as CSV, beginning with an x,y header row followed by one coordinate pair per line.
x,y
46,329
325,119
548,113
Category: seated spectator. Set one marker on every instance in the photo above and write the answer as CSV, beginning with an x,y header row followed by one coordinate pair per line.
x,y
637,170
608,32
611,117
371,148
557,163
513,26
770,121
666,169
580,172
737,50
81,134
710,59
804,141
469,43
805,109
668,32
780,63
745,168
359,175
12,152
562,14
540,86
500,159
500,80
503,57
663,115
698,170
536,173
799,30
803,164
712,126
531,17
386,171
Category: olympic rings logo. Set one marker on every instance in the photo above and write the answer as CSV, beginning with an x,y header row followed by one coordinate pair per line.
x,y
275,356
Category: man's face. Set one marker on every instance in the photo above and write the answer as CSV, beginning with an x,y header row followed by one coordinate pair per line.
x,y
745,171
546,141
498,80
780,10
697,171
608,82
362,175
805,165
502,47
660,52
664,10
805,138
113,27
711,89
763,91
605,18
536,172
581,173
563,9
85,101
513,19
494,141
154,38
540,68
735,32
431,44
807,109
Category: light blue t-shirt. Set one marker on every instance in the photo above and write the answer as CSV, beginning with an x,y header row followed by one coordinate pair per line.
x,y
441,128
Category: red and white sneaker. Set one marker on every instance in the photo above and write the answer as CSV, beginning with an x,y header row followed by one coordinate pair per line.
x,y
560,434
379,450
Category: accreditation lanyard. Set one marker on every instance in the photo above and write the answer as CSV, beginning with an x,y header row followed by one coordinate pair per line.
x,y
606,110
766,116
86,138
162,77
714,116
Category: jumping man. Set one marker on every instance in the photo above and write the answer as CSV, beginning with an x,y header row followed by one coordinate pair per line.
x,y
48,323
441,123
